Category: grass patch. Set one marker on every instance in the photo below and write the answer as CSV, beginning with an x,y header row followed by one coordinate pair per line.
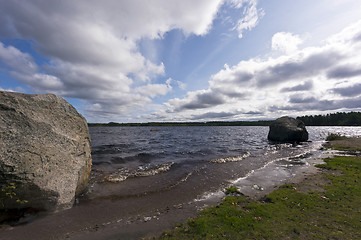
x,y
287,213
231,190
348,144
335,136
342,147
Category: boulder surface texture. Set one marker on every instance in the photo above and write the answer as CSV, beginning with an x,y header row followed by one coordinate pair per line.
x,y
45,151
287,129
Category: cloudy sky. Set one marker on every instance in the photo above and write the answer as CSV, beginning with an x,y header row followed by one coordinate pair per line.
x,y
185,60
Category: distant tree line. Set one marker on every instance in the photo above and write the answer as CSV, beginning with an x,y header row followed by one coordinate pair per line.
x,y
171,124
333,119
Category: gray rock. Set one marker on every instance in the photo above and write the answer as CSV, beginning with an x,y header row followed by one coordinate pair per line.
x,y
44,151
287,129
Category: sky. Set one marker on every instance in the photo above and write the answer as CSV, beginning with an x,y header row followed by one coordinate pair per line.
x,y
185,60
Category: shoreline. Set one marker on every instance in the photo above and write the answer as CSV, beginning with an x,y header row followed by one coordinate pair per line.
x,y
149,224
294,197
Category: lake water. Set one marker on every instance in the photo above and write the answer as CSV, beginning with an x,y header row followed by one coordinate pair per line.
x,y
145,180
190,161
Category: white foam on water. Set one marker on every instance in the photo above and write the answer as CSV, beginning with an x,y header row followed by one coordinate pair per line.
x,y
114,178
210,195
142,171
231,159
153,171
272,173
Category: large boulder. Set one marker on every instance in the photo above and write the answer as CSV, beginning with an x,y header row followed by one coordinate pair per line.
x,y
45,153
287,129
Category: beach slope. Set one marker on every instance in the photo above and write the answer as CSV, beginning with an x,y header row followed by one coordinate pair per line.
x,y
321,206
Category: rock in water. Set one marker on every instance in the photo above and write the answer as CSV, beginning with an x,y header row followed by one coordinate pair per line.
x,y
45,151
287,129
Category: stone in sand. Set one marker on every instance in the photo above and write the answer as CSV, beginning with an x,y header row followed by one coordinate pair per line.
x,y
44,151
287,129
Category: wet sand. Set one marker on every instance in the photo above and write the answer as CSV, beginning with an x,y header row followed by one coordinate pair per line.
x,y
149,215
123,217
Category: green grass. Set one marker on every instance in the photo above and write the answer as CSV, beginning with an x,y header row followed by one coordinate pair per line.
x,y
344,144
341,147
231,190
287,213
335,136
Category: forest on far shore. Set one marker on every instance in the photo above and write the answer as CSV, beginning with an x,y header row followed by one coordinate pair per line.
x,y
332,119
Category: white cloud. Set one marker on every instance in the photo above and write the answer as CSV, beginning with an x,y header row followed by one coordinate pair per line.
x,y
313,79
153,90
23,67
251,15
286,42
21,62
195,100
7,90
93,45
181,85
17,89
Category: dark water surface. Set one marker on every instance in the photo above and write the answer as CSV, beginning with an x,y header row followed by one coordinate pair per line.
x,y
146,179
134,161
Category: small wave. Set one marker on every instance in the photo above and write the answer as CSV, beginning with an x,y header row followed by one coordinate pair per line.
x,y
277,147
141,157
109,149
182,180
99,162
186,177
115,178
209,195
119,176
142,171
246,176
296,160
301,156
231,159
